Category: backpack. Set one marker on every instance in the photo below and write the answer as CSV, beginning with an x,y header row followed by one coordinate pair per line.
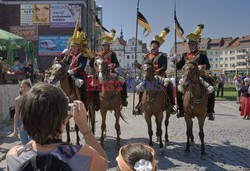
x,y
49,162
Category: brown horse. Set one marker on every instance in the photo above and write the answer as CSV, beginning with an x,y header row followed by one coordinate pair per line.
x,y
58,72
194,103
154,103
110,97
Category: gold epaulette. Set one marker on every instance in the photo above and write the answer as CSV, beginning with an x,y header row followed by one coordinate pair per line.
x,y
203,52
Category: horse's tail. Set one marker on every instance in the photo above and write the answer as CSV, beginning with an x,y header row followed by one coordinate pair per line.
x,y
122,117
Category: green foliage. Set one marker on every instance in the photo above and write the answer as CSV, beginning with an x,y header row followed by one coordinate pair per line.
x,y
230,93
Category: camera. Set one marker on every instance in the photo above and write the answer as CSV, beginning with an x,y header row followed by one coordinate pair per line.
x,y
70,108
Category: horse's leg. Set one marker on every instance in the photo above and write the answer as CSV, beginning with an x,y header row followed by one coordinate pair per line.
x,y
77,135
117,127
166,127
149,123
92,117
159,132
157,138
68,132
192,136
201,135
188,120
103,126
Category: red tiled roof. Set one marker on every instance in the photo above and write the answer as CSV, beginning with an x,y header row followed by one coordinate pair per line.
x,y
119,41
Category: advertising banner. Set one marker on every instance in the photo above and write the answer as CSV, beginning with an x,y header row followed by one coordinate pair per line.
x,y
64,15
52,45
35,14
27,32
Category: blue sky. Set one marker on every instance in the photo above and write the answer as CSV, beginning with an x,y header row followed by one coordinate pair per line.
x,y
222,18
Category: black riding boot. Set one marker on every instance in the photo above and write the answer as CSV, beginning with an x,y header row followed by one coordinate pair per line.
x,y
171,98
96,100
210,106
124,95
180,104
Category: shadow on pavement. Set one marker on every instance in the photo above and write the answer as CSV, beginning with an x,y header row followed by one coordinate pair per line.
x,y
226,154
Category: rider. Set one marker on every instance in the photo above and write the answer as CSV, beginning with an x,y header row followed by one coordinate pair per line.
x,y
203,65
159,60
78,60
112,62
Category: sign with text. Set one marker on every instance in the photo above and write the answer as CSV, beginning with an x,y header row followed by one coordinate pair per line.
x,y
52,45
35,14
27,32
64,15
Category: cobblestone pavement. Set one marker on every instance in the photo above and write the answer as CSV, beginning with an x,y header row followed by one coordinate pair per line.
x,y
227,140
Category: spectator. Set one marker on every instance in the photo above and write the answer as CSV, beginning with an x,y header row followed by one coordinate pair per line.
x,y
136,156
17,66
221,81
216,81
44,112
245,99
238,86
18,125
243,76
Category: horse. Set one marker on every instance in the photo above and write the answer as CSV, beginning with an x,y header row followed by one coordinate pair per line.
x,y
58,72
194,103
110,97
154,103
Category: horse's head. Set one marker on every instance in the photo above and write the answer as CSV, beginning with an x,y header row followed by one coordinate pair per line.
x,y
190,74
147,70
57,70
101,68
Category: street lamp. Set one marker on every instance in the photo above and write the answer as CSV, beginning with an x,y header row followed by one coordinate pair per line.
x,y
247,58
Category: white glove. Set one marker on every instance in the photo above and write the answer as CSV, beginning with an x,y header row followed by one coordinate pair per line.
x,y
200,68
175,58
70,72
110,66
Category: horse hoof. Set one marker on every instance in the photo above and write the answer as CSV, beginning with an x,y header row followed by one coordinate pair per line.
x,y
161,152
157,139
167,143
192,142
186,153
203,156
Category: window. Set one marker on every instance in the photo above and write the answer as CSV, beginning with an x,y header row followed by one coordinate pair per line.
x,y
225,58
216,59
119,54
133,43
211,65
232,52
226,65
221,65
232,58
211,53
221,53
128,57
225,52
132,56
221,59
216,65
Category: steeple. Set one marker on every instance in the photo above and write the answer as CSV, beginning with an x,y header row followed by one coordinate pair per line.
x,y
121,36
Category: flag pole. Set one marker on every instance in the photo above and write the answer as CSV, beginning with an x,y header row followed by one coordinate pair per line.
x,y
175,47
136,37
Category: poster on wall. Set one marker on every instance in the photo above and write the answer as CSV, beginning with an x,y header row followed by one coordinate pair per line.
x,y
27,32
64,15
35,14
52,45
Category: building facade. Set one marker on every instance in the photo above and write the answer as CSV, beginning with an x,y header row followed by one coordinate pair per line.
x,y
226,55
48,24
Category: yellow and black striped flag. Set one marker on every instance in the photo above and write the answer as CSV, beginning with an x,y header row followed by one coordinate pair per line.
x,y
100,26
178,28
142,21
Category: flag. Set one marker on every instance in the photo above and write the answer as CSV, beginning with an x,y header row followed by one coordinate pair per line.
x,y
178,28
142,21
100,26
